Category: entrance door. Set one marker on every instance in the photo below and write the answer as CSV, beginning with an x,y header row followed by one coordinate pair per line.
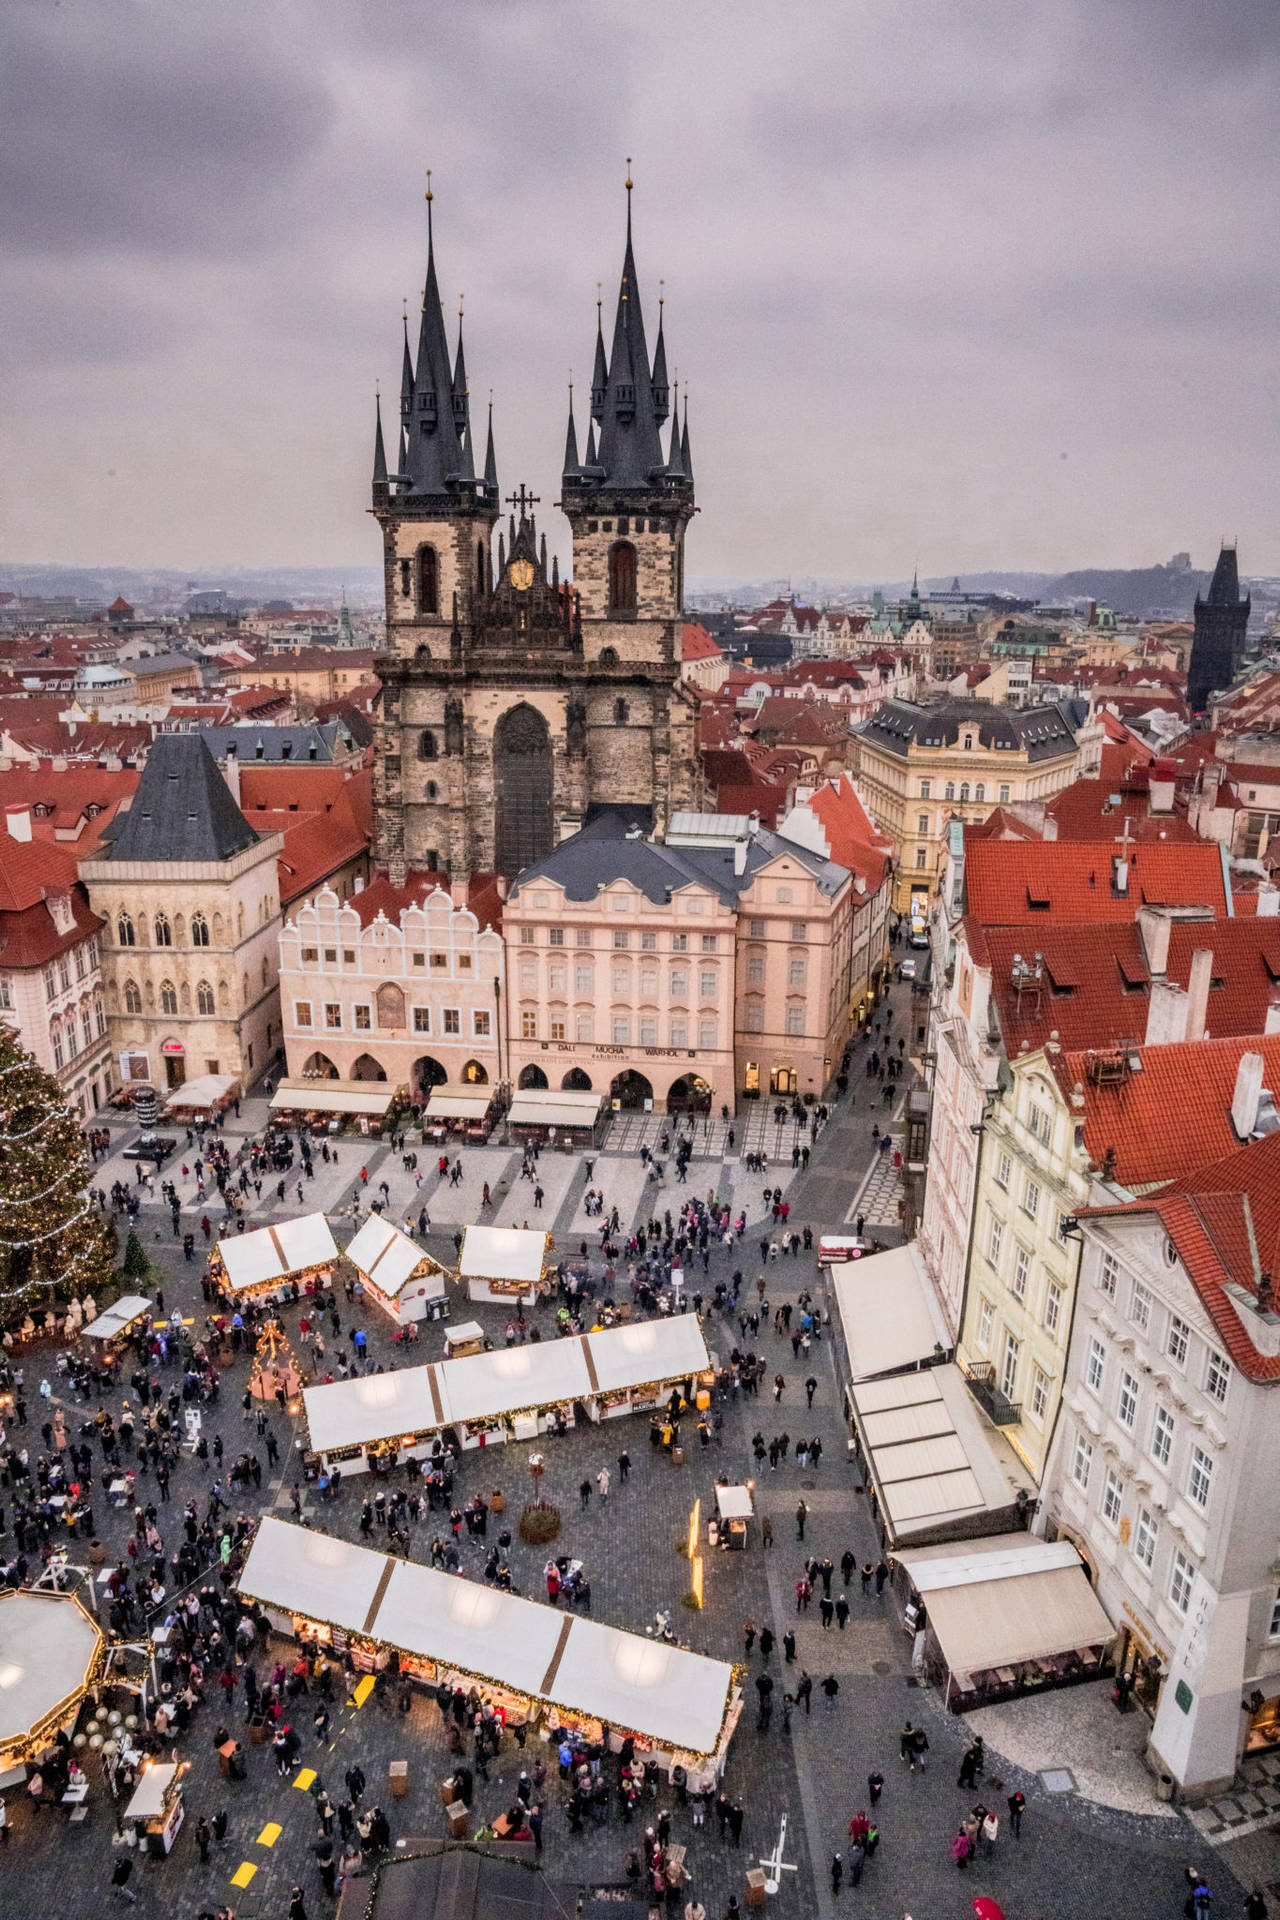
x,y
782,1080
175,1070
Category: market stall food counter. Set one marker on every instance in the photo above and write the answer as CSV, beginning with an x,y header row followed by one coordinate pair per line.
x,y
397,1275
156,1811
510,1393
504,1263
118,1320
537,1663
298,1252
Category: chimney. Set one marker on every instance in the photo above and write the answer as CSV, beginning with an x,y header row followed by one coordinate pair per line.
x,y
1198,983
1119,877
17,822
1244,1102
1272,1022
1268,907
1160,787
753,822
1154,926
740,857
231,773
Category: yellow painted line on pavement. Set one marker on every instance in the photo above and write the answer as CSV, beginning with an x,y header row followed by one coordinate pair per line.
x,y
243,1874
305,1779
364,1689
270,1834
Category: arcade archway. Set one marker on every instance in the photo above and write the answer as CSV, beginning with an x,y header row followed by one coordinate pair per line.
x,y
631,1090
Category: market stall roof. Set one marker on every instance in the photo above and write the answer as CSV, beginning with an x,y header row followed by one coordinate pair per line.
x,y
675,1698
205,1091
503,1253
121,1314
273,1253
388,1257
482,1386
154,1782
734,1503
458,1103
461,1332
332,1096
48,1647
996,1602
889,1312
548,1109
932,1458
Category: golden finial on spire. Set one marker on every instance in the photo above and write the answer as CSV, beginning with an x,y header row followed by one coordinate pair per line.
x,y
599,296
630,182
662,293
377,389
461,298
404,302
430,195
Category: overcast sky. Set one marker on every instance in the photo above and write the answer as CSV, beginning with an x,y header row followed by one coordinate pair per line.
x,y
973,285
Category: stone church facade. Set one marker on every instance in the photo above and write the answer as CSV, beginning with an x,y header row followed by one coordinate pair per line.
x,y
514,704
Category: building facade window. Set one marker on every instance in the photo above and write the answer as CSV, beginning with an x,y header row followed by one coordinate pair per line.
x,y
1181,1576
1053,1308
1021,1272
994,1242
1200,1478
1112,1498
168,997
1082,1462
1145,1535
1217,1376
163,931
986,1319
1039,1395
302,1013
1178,1341
1095,1365
1127,1404
332,1015
1009,1370
1004,1171
1108,1274
422,1019
1140,1306
1162,1437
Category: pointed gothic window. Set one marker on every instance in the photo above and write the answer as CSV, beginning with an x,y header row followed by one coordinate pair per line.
x,y
199,930
428,581
164,933
620,713
622,578
168,998
124,930
132,998
204,997
482,568
428,746
523,775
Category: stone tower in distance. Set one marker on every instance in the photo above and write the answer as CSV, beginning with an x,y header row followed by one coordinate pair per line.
x,y
1222,621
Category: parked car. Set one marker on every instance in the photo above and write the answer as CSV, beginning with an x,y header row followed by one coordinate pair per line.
x,y
907,969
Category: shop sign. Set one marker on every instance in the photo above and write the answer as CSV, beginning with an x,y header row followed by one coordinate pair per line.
x,y
172,1046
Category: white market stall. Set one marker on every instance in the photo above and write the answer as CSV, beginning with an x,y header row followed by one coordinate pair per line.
x,y
397,1275
510,1393
119,1318
735,1509
51,1653
466,1336
292,1254
531,1660
156,1811
504,1263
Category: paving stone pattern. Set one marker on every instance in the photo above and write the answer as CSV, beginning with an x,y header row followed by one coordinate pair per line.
x,y
1073,1860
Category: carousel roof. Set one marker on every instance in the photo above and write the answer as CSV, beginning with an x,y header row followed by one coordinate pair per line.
x,y
48,1647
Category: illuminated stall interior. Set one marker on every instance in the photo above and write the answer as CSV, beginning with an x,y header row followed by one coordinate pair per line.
x,y
301,1251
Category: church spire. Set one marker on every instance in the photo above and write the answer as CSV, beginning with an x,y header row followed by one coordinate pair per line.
x,y
600,372
659,380
630,451
490,462
571,440
462,406
686,458
379,454
406,380
434,450
675,466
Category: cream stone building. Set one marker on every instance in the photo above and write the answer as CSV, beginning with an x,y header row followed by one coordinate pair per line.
x,y
395,984
920,767
190,898
50,973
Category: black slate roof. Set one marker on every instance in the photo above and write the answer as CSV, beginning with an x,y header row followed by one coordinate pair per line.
x,y
182,809
1041,732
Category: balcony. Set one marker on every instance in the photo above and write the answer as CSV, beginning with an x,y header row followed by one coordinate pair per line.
x,y
980,1378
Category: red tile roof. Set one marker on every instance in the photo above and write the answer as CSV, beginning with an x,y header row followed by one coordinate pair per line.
x,y
697,644
1084,811
483,897
1027,883
852,836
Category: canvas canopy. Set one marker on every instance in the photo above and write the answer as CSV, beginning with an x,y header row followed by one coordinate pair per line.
x,y
154,1783
206,1091
483,1386
889,1312
1006,1600
48,1646
677,1699
457,1103
734,1503
503,1253
332,1096
548,1109
273,1253
932,1460
388,1257
114,1319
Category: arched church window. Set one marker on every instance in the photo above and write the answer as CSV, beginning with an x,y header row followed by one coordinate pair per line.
x,y
168,997
608,656
164,933
428,746
132,998
622,577
199,930
482,567
620,712
428,581
124,931
204,997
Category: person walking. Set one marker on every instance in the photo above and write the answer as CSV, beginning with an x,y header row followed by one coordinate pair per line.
x,y
120,1878
831,1687
297,1905
602,1481
961,1847
810,1388
204,1835
842,1612
875,1786
1017,1804
827,1610
788,1646
624,1467
584,1494
837,1872
802,1514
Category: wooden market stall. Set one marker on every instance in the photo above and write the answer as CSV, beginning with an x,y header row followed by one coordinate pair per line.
x,y
466,1336
510,1393
278,1262
397,1275
503,1264
535,1663
117,1321
156,1811
735,1509
51,1654
461,1108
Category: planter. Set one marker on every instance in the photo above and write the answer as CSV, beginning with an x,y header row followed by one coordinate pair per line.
x,y
259,1733
497,1501
539,1524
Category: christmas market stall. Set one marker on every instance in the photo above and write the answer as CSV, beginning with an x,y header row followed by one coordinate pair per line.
x,y
156,1812
464,1336
277,1262
116,1322
510,1393
535,1664
397,1275
51,1654
503,1264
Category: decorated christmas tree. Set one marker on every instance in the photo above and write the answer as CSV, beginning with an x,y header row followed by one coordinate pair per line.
x,y
53,1242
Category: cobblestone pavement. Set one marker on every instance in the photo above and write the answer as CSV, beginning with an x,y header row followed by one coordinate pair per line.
x,y
1075,1861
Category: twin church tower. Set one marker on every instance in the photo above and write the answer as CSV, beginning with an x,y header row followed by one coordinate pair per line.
x,y
512,702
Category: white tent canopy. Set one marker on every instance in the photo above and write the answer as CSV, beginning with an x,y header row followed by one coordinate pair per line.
x,y
544,1108
332,1096
154,1783
388,1257
457,1103
1007,1599
481,1386
205,1091
734,1503
503,1253
115,1318
273,1253
889,1312
674,1698
933,1461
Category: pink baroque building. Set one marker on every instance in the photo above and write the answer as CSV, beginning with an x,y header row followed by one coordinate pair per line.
x,y
402,984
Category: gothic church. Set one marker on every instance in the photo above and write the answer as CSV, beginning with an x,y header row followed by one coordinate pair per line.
x,y
514,703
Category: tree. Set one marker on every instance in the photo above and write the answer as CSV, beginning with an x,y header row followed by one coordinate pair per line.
x,y
135,1263
53,1242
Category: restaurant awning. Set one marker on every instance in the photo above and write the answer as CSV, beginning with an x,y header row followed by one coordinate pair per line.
x,y
647,1687
273,1253
889,1312
388,1257
934,1462
1005,1600
115,1318
548,1109
205,1091
503,1253
332,1096
458,1103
